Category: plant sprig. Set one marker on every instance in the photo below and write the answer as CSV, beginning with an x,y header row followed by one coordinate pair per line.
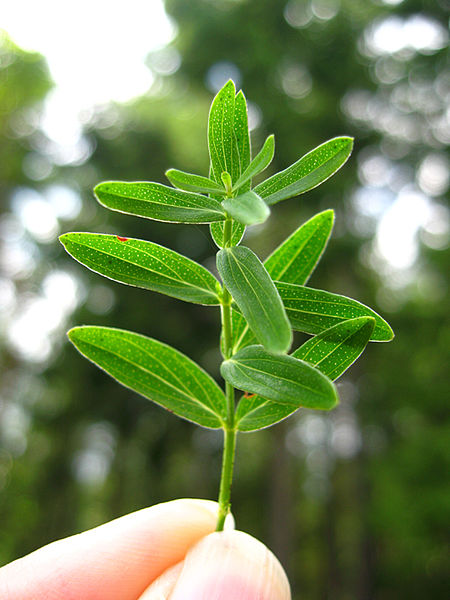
x,y
260,303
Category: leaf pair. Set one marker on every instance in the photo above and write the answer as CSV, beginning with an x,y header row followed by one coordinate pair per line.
x,y
308,310
275,393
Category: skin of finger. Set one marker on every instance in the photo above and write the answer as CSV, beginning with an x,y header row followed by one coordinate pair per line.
x,y
116,561
229,565
163,586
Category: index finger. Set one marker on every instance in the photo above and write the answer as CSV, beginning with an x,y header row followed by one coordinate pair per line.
x,y
115,561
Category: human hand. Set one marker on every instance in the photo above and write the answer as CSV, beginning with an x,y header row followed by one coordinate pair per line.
x,y
167,551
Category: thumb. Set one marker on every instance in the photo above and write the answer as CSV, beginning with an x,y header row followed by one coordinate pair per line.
x,y
229,565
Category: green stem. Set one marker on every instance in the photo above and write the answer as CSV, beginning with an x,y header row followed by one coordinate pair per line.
x,y
229,445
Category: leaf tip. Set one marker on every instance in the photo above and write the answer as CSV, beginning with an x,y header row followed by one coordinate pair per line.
x,y
72,334
63,239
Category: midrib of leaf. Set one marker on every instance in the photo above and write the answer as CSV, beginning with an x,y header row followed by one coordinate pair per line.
x,y
168,383
299,250
337,302
250,285
170,196
125,260
253,410
268,192
302,385
175,376
313,345
241,337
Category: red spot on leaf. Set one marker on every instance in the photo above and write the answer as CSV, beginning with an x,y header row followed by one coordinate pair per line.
x,y
247,395
121,239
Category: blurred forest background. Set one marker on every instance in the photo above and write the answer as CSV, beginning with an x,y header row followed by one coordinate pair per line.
x,y
354,503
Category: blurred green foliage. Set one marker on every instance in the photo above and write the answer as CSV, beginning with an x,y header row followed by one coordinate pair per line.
x,y
354,503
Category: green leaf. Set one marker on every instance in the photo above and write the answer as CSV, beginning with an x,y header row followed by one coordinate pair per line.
x,y
222,142
248,208
293,262
256,295
241,158
217,230
193,183
335,349
261,161
159,202
308,172
254,412
283,379
314,311
155,370
143,264
295,259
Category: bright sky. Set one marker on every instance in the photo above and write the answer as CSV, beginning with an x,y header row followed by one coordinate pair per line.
x,y
95,50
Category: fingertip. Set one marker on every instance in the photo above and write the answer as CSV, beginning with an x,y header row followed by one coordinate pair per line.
x,y
231,565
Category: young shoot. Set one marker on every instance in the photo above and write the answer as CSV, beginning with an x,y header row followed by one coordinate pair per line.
x,y
260,303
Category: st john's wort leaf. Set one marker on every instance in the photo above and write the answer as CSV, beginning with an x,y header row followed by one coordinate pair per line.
x,y
313,311
280,378
221,139
239,156
193,183
158,202
256,296
247,208
143,264
261,161
335,349
154,370
308,172
295,259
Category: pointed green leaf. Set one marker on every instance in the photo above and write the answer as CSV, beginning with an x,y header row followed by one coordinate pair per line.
x,y
335,349
308,172
248,208
293,262
193,183
295,259
221,139
314,311
241,144
217,230
256,295
159,202
261,161
143,264
280,378
155,370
